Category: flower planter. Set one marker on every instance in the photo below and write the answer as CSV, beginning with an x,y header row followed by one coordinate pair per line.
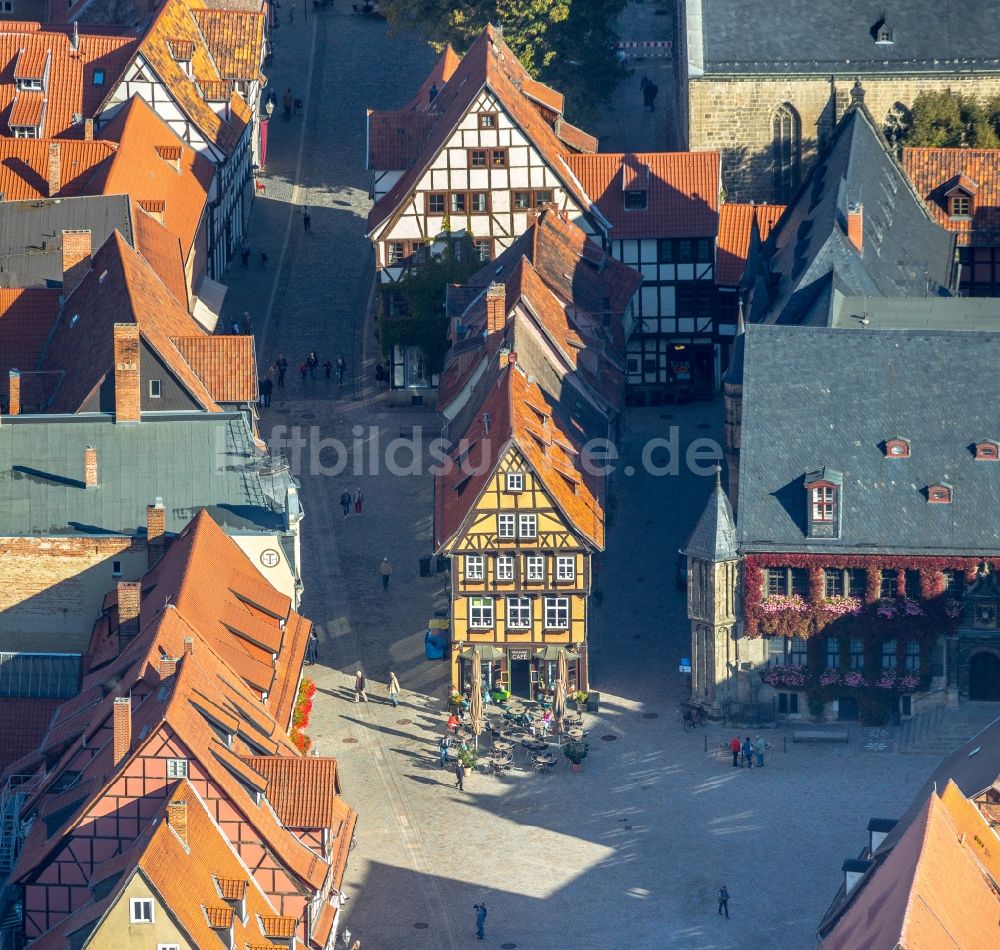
x,y
576,766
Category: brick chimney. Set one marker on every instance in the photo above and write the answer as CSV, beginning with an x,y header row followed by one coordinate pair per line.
x,y
127,396
155,527
506,358
855,224
88,130
167,667
53,178
177,819
189,646
76,261
14,393
90,477
129,597
122,727
495,303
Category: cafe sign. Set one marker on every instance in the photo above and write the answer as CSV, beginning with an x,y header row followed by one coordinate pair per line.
x,y
519,654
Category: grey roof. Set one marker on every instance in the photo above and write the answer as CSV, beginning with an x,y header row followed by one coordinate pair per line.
x,y
191,461
31,234
808,256
714,536
823,36
815,397
924,313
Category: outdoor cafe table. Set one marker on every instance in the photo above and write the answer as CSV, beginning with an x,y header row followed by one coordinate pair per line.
x,y
575,733
503,747
546,758
516,709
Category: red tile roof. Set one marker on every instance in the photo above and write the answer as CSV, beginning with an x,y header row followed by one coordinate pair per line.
x,y
489,62
162,251
71,90
301,791
32,717
227,364
235,39
24,166
736,226
935,171
682,189
28,111
26,320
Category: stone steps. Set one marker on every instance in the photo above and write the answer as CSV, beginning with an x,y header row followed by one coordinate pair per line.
x,y
958,726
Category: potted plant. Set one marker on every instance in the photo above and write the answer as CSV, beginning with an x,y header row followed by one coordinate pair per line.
x,y
580,698
455,699
576,751
468,758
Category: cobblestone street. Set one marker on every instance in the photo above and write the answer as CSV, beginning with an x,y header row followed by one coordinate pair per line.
x,y
631,852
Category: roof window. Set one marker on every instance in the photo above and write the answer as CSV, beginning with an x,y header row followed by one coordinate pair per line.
x,y
882,33
823,503
897,448
987,451
635,200
939,494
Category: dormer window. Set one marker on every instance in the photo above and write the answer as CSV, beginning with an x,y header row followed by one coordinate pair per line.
x,y
823,489
939,494
635,201
959,205
884,35
987,451
897,448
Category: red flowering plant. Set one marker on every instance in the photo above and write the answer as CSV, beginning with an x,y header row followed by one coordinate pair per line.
x,y
300,715
786,677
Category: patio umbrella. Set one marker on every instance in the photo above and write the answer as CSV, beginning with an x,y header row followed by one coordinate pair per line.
x,y
559,697
476,718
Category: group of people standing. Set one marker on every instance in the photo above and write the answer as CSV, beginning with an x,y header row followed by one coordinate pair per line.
x,y
274,378
743,752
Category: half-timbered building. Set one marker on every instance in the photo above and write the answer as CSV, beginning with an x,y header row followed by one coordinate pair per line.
x,y
478,148
192,679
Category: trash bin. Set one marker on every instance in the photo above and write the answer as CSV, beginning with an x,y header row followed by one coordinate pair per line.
x,y
434,646
425,566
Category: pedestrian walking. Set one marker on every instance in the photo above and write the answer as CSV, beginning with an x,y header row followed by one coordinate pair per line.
x,y
245,254
345,502
381,375
291,14
359,687
748,753
735,747
303,369
312,361
459,775
263,261
312,649
287,101
443,746
761,749
359,500
265,391
481,921
724,901
281,365
385,569
306,218
393,690
327,369
341,369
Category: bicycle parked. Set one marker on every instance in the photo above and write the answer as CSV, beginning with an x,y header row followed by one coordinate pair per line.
x,y
692,716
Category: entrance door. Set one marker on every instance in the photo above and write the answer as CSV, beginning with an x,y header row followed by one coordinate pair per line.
x,y
847,709
520,678
984,677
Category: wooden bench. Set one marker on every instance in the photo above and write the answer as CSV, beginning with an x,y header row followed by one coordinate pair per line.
x,y
820,735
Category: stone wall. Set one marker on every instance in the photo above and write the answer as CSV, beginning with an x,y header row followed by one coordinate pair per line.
x,y
734,115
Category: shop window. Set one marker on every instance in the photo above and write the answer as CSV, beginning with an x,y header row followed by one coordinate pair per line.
x,y
556,613
889,655
505,526
797,652
527,526
518,613
832,653
566,567
505,567
888,587
833,582
912,657
857,650
480,613
474,564
535,567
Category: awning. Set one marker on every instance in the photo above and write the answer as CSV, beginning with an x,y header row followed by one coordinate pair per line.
x,y
552,653
487,652
208,302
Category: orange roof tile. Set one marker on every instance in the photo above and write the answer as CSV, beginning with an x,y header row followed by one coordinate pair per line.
x,y
324,926
162,250
32,62
278,926
26,320
934,171
28,111
71,90
488,62
682,192
227,364
235,39
219,918
24,166
232,889
736,226
301,791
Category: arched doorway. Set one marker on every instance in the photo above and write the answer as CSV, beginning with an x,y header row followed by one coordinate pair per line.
x,y
984,677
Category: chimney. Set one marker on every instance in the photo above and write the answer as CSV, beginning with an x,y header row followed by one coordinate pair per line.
x,y
177,819
507,357
88,130
495,301
127,397
54,179
129,597
14,391
90,479
76,260
167,667
122,727
189,646
155,526
855,224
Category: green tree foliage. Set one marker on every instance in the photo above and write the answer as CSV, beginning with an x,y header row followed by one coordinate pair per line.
x,y
952,120
567,43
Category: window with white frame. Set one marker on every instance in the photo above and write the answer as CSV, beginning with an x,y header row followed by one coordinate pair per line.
x,y
154,389
912,658
556,613
505,567
481,613
535,567
514,481
140,910
565,567
177,768
527,526
822,503
505,526
473,567
518,613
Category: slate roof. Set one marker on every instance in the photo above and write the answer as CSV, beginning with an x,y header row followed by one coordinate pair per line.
x,y
172,457
742,228
682,191
808,254
817,397
909,313
934,171
714,536
760,37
